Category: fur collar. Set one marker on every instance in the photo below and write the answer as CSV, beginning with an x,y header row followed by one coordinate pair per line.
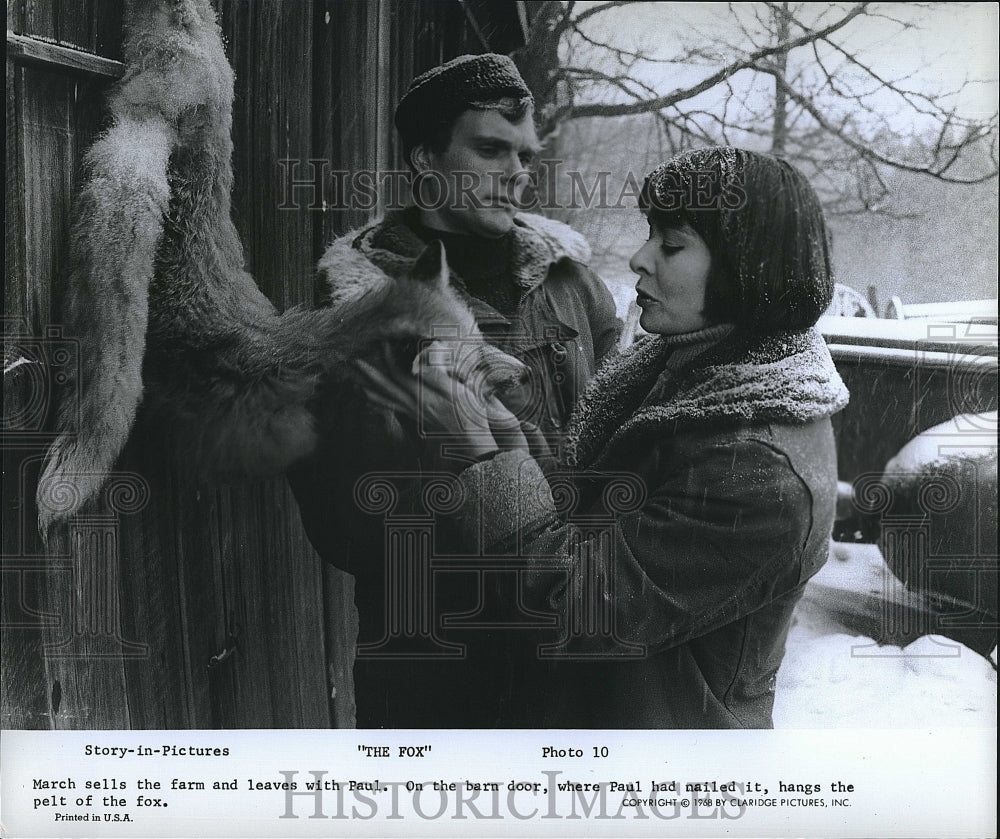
x,y
787,377
391,246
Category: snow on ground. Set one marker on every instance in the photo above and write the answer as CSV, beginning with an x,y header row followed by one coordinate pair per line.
x,y
833,679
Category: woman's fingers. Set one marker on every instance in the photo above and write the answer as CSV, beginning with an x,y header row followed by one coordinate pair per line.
x,y
380,388
439,401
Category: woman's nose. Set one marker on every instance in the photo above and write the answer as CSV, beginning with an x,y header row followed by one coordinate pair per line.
x,y
638,264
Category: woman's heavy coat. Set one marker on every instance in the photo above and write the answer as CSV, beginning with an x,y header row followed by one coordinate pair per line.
x,y
704,501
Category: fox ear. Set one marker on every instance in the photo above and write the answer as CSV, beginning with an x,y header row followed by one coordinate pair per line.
x,y
431,266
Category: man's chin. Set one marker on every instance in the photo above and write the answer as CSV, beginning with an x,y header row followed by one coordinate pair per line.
x,y
494,223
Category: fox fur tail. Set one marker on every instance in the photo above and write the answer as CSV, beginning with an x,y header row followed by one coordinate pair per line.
x,y
155,262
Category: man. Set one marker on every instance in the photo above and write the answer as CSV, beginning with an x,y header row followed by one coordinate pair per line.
x,y
468,134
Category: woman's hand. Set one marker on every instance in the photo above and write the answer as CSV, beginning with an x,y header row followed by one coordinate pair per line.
x,y
443,404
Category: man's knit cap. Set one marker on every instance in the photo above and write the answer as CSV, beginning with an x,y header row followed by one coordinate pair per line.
x,y
442,93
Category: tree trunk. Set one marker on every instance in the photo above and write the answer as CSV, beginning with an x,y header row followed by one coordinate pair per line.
x,y
779,131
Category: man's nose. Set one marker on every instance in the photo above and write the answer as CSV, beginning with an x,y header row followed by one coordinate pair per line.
x,y
517,181
513,165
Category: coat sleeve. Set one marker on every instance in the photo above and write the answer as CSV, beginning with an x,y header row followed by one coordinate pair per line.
x,y
721,535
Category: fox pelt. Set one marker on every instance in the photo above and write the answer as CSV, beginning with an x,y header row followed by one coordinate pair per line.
x,y
158,297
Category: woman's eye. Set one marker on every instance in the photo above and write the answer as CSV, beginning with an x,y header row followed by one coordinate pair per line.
x,y
670,250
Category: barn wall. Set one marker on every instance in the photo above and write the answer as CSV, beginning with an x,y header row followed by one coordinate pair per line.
x,y
172,603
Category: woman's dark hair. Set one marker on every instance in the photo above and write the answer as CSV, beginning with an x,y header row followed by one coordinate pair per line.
x,y
763,225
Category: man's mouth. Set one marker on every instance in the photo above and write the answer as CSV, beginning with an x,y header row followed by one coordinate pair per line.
x,y
642,299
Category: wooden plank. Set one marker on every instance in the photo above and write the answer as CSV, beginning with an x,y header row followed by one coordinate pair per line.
x,y
341,618
91,25
106,28
272,120
361,147
404,38
295,618
326,25
339,612
278,678
15,269
227,611
73,22
46,128
15,15
37,17
38,53
81,654
160,693
25,691
45,135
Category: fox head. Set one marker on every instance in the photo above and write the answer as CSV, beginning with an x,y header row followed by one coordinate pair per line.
x,y
419,313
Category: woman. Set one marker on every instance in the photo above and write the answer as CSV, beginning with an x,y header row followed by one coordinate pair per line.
x,y
680,603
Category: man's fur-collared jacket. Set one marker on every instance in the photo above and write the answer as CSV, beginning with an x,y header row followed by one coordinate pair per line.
x,y
715,480
565,323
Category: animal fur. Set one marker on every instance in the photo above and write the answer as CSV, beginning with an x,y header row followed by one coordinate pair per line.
x,y
157,292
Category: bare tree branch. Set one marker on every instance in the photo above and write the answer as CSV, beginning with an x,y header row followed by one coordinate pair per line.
x,y
753,61
764,58
871,153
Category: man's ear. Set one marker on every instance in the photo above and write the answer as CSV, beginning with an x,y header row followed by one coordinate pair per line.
x,y
420,158
431,266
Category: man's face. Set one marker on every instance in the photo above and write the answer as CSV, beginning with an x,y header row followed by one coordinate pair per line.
x,y
483,174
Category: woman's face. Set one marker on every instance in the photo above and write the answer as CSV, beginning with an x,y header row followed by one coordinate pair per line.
x,y
673,269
